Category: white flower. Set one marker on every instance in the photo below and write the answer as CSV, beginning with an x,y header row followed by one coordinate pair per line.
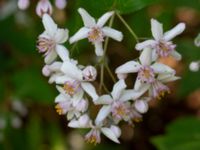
x,y
72,106
112,133
117,104
162,46
74,82
49,42
146,71
95,31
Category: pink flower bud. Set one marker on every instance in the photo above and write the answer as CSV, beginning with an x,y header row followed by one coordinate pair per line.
x,y
60,4
82,105
45,71
23,4
44,6
89,73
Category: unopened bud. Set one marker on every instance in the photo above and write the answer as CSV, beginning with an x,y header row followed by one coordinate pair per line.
x,y
194,66
23,4
89,73
60,4
141,106
43,7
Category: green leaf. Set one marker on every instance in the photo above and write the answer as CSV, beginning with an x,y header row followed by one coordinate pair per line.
x,y
29,83
123,6
183,134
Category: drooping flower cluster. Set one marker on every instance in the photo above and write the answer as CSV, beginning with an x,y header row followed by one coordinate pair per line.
x,y
74,81
43,6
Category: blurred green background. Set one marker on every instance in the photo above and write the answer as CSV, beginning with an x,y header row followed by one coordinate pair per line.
x,y
27,116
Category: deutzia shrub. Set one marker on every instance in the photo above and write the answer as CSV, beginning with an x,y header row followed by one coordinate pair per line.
x,y
74,81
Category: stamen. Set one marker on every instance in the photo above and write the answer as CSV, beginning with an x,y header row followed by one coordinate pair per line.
x,y
45,45
146,74
96,35
71,88
59,109
164,48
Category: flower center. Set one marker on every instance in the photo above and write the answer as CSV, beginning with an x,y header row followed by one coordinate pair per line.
x,y
146,74
71,87
96,35
45,45
163,48
119,110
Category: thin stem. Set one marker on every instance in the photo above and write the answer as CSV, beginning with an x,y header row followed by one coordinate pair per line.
x,y
110,73
102,60
128,27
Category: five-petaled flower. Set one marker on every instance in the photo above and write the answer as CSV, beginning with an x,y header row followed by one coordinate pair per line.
x,y
95,31
161,45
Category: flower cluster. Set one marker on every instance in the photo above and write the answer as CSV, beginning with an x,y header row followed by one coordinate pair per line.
x,y
74,81
43,6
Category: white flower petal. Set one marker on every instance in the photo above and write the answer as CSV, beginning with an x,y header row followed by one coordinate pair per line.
x,y
128,67
103,19
61,35
167,78
77,97
156,29
105,99
62,79
61,90
62,52
72,70
116,130
137,84
146,57
55,66
178,29
145,44
154,55
82,33
102,114
118,88
141,106
161,68
49,24
88,20
133,94
90,90
112,33
74,124
98,48
50,57
176,55
60,98
110,134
